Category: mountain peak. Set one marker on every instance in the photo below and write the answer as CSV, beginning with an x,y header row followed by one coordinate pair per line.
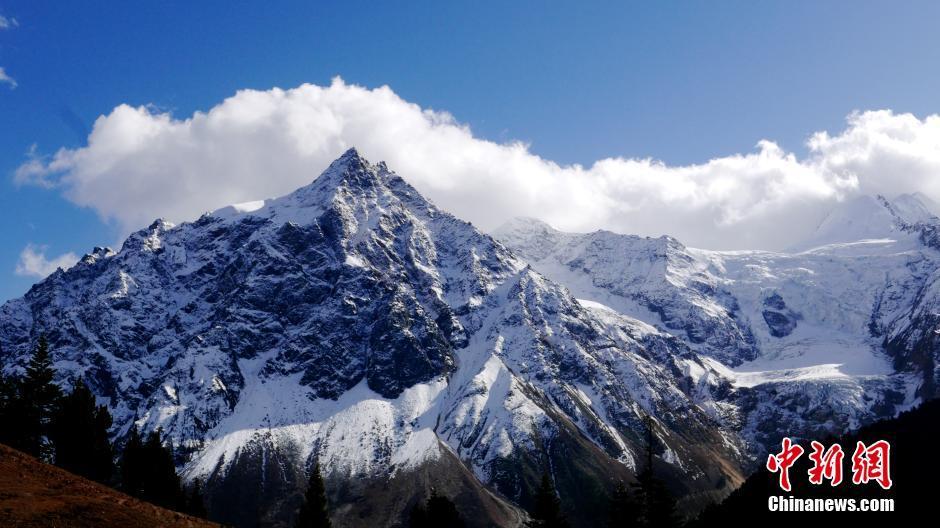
x,y
351,152
530,235
352,169
523,223
914,208
350,160
864,217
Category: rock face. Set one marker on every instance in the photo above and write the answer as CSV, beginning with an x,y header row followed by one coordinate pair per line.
x,y
780,320
355,325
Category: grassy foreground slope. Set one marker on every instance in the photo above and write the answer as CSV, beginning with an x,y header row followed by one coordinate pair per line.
x,y
33,495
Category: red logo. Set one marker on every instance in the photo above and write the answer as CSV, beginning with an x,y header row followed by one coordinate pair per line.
x,y
782,462
872,463
826,464
869,463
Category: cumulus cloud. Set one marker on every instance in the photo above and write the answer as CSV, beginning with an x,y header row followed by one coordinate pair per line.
x,y
140,163
8,23
6,79
34,263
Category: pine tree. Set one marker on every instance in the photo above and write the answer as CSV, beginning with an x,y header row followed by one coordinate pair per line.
x,y
79,435
661,506
547,510
623,511
132,480
40,395
195,503
443,512
657,507
314,512
148,471
418,518
161,483
437,512
11,412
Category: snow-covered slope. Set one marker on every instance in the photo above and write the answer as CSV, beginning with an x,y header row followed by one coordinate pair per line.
x,y
915,208
813,342
872,218
651,279
353,324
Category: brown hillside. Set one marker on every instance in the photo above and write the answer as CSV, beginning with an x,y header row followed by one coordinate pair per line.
x,y
33,494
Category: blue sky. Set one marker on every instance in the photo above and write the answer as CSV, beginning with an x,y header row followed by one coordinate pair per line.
x,y
681,82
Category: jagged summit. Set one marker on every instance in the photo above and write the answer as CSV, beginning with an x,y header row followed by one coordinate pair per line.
x,y
350,179
350,168
349,154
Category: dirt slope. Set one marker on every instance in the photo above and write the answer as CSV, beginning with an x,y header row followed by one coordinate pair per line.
x,y
33,494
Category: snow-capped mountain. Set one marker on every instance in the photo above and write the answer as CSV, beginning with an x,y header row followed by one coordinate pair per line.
x,y
354,324
813,342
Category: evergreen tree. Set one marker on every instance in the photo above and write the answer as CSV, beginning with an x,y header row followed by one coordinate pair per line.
x,y
11,412
79,435
623,511
437,512
195,503
39,395
314,512
657,507
132,464
547,510
418,517
443,512
661,506
148,471
161,483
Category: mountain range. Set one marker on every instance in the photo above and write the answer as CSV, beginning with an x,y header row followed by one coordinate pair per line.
x,y
354,325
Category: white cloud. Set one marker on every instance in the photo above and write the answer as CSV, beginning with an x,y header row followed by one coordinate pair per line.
x,y
8,23
140,164
4,78
34,263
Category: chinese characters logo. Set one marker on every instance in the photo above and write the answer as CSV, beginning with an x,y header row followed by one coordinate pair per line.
x,y
869,463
